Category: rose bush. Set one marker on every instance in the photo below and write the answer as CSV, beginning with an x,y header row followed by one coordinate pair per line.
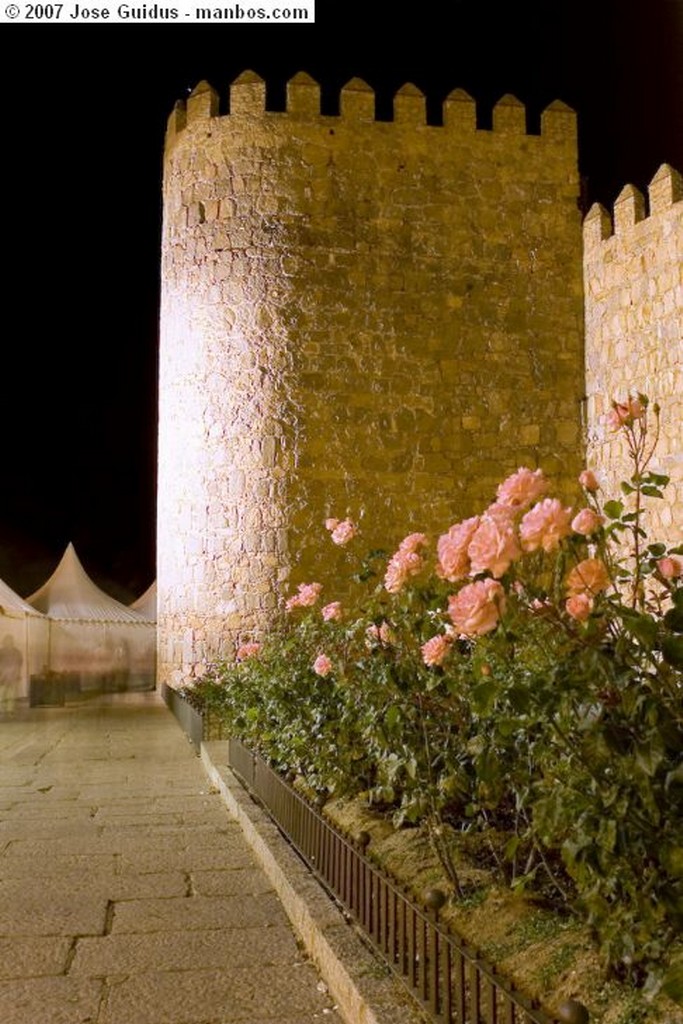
x,y
522,676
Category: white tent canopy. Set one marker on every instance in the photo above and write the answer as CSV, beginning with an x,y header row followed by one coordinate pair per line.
x,y
23,645
146,604
93,637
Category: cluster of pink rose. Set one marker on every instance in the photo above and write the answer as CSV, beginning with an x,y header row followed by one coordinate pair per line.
x,y
491,542
520,521
247,650
405,563
306,596
342,530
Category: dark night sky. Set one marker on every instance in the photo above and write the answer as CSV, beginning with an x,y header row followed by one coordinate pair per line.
x,y
84,113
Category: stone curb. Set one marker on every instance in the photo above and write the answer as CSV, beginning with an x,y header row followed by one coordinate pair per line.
x,y
360,984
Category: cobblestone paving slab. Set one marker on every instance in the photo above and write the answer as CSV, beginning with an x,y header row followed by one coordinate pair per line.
x,y
33,956
239,995
51,1001
127,893
128,954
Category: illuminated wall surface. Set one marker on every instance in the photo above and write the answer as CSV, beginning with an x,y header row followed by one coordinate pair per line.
x,y
358,317
634,330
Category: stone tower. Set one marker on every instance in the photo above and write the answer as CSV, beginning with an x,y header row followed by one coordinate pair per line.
x,y
358,317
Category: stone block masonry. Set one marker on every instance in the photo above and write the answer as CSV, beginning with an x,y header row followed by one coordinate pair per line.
x,y
633,273
379,319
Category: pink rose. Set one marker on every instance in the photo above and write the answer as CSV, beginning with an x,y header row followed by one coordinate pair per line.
x,y
386,633
477,608
332,612
248,650
308,594
670,567
435,650
453,562
412,542
322,665
588,577
545,525
587,521
579,606
406,562
522,488
623,414
493,546
342,531
589,481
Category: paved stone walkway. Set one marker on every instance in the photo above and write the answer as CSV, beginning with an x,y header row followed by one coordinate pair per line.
x,y
127,894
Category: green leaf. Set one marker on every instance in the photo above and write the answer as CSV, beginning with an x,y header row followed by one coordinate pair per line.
x,y
656,550
650,755
673,619
672,649
392,717
659,479
613,509
642,627
651,492
673,981
627,488
672,859
483,696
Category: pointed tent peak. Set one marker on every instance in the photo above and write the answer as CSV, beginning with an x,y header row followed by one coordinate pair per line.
x,y
410,105
202,102
559,121
629,208
303,95
460,110
13,605
69,593
597,226
248,94
509,115
146,604
357,100
665,189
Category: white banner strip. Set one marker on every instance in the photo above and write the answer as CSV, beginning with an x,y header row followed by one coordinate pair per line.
x,y
179,12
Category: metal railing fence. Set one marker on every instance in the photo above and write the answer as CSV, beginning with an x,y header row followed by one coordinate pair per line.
x,y
448,977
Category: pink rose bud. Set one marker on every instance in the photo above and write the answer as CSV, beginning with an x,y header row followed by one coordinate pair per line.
x,y
589,481
623,414
670,567
579,606
587,521
332,612
588,577
248,650
322,665
436,649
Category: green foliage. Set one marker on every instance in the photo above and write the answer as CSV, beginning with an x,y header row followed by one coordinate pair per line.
x,y
564,733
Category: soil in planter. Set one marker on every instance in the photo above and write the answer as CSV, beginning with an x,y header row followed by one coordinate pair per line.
x,y
548,956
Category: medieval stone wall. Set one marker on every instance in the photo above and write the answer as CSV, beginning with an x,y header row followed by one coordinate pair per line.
x,y
379,319
633,273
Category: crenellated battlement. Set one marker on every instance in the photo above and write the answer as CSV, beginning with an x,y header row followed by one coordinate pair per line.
x,y
631,208
357,104
633,285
